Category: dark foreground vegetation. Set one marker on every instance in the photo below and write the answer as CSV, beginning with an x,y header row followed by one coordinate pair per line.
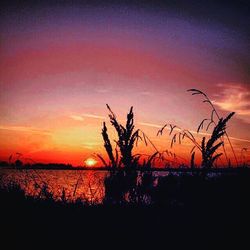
x,y
184,209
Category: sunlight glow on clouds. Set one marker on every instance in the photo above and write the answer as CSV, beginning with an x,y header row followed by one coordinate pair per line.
x,y
93,116
81,117
76,117
26,129
235,97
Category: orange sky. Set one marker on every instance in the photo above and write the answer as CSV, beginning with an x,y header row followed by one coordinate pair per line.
x,y
58,70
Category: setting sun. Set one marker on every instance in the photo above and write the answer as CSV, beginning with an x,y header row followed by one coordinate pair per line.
x,y
90,162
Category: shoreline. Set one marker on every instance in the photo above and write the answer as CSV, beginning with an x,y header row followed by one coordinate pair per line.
x,y
155,169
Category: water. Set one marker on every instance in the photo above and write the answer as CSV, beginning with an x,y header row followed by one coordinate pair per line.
x,y
81,184
84,185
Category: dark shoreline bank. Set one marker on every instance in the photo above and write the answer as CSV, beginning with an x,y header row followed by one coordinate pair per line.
x,y
28,223
216,214
140,169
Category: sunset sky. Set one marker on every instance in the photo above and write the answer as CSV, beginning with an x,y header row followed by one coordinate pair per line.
x,y
61,63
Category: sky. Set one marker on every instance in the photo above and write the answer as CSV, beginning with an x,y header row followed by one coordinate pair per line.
x,y
61,62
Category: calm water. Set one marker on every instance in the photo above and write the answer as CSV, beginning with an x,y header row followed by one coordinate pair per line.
x,y
76,184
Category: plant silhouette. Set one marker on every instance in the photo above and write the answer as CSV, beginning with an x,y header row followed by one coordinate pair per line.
x,y
127,138
212,121
208,149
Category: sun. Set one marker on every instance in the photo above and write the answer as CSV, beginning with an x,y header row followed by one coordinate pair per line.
x,y
90,162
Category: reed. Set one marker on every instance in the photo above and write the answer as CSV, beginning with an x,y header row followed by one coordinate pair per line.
x,y
126,186
208,148
127,139
212,121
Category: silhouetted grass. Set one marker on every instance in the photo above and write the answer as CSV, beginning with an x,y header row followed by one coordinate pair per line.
x,y
177,207
126,140
177,189
211,121
207,148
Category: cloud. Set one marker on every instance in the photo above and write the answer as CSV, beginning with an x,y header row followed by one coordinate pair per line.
x,y
94,116
91,145
150,125
77,117
192,131
102,90
234,97
26,129
145,93
82,116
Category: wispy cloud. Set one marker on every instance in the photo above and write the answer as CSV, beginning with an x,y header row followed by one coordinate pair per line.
x,y
77,117
192,131
235,97
91,145
93,116
85,115
145,93
150,125
102,90
26,129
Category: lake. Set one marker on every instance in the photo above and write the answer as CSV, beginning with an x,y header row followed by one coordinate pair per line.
x,y
81,184
76,184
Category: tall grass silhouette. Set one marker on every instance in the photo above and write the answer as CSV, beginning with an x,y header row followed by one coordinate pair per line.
x,y
211,121
125,184
208,148
127,139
